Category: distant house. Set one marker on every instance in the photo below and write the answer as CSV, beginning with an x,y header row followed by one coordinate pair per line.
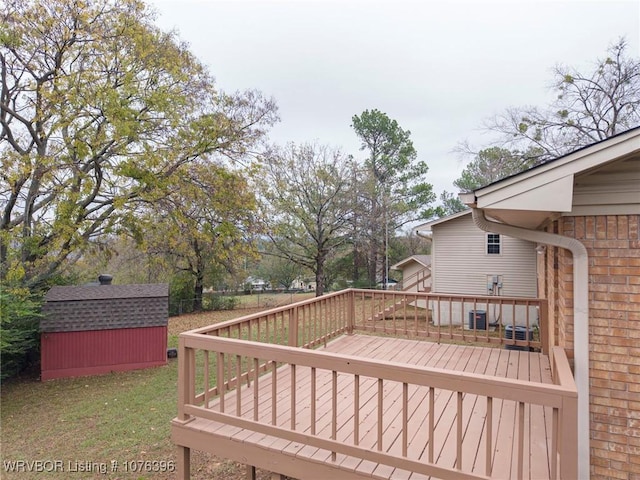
x,y
583,210
464,259
304,284
90,330
257,284
468,261
416,273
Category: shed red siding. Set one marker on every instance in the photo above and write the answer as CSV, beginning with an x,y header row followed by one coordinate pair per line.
x,y
73,354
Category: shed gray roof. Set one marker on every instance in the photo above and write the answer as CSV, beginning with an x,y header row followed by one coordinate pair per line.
x,y
106,292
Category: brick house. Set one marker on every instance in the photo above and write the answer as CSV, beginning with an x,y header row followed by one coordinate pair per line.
x,y
583,211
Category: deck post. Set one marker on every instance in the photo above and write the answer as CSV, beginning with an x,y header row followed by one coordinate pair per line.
x,y
545,328
184,375
351,311
569,436
183,463
568,427
293,327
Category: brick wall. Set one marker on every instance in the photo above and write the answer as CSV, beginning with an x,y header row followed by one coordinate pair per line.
x,y
613,245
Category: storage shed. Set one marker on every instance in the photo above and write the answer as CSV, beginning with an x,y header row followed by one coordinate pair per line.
x,y
89,330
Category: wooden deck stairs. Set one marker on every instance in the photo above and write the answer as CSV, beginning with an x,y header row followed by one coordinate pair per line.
x,y
388,312
415,282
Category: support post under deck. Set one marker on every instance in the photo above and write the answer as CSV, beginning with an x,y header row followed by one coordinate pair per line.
x,y
184,463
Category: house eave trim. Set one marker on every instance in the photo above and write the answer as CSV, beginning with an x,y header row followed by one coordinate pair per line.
x,y
585,159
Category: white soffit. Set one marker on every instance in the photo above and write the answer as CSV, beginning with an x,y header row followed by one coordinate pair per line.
x,y
554,196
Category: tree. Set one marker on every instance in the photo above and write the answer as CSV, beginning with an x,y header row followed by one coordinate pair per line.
x,y
205,225
393,183
123,257
490,165
493,164
278,271
19,325
307,204
450,204
589,107
98,110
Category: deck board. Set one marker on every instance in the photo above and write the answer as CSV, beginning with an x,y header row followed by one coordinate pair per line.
x,y
488,361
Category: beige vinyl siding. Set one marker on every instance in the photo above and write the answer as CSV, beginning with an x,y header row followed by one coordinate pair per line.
x,y
460,263
409,275
614,189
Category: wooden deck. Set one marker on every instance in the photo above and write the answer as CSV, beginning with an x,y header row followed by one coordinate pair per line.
x,y
300,400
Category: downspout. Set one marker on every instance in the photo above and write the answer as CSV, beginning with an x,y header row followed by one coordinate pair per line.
x,y
580,317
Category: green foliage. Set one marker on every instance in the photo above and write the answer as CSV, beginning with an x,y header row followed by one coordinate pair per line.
x,y
393,179
205,223
392,187
218,302
180,294
450,204
278,271
307,204
19,331
389,147
100,109
493,164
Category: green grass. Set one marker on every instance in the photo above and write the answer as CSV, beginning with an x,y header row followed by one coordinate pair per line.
x,y
119,416
123,417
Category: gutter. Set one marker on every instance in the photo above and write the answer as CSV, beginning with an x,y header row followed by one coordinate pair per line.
x,y
580,317
423,235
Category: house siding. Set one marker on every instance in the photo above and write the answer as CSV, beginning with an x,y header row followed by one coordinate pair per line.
x,y
409,273
613,246
612,187
460,263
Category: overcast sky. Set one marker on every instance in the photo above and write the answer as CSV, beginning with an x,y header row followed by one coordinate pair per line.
x,y
438,68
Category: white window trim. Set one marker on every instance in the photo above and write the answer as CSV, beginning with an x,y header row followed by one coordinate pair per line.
x,y
486,245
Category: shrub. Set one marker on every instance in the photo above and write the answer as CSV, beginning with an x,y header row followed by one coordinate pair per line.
x,y
181,294
217,302
19,331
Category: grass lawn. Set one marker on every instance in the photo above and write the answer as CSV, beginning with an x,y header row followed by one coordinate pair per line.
x,y
116,422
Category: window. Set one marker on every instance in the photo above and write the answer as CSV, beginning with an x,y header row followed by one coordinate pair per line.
x,y
493,244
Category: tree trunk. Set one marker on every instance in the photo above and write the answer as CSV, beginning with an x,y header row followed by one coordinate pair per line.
x,y
199,287
320,277
197,299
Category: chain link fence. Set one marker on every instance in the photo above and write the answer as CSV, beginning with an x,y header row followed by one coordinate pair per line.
x,y
236,301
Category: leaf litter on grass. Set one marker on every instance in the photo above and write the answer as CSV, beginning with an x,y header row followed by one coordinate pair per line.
x,y
122,416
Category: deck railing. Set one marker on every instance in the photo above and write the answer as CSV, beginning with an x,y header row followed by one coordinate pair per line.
x,y
218,362
519,323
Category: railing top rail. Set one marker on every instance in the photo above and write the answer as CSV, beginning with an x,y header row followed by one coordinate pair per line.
x,y
451,296
271,311
562,371
490,299
473,383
